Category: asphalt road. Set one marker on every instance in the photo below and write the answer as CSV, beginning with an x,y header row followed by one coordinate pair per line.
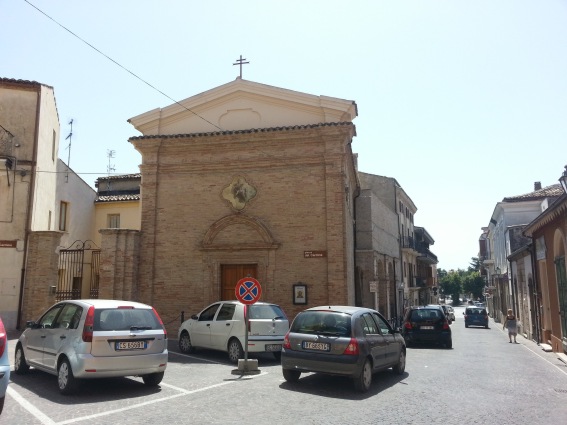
x,y
482,380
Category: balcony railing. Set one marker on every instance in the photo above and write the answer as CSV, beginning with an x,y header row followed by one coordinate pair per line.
x,y
426,256
408,242
424,282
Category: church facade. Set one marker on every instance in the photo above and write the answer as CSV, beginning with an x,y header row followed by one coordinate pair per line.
x,y
243,180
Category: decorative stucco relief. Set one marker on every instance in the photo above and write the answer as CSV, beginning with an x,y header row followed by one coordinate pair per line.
x,y
238,193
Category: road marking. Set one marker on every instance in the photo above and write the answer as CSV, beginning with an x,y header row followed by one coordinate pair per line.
x,y
44,419
196,358
146,403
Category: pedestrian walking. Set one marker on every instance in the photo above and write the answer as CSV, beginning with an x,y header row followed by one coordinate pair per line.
x,y
511,323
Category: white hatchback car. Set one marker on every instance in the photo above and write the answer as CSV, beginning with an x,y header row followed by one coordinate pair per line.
x,y
221,326
95,339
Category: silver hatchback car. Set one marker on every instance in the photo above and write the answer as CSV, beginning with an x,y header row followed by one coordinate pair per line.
x,y
78,339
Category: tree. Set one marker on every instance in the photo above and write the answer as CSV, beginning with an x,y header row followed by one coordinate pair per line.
x,y
474,265
451,284
473,283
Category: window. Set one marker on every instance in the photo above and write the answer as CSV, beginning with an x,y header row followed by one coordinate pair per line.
x,y
368,325
63,209
209,313
226,312
113,221
384,328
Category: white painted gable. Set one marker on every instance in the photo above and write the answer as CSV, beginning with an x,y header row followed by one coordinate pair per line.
x,y
243,105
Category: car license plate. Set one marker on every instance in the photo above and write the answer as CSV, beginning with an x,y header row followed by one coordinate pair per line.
x,y
273,347
427,327
319,346
131,345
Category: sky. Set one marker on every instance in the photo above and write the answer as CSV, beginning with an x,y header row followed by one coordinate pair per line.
x,y
462,102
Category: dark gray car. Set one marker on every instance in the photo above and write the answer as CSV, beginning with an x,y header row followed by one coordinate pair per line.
x,y
342,340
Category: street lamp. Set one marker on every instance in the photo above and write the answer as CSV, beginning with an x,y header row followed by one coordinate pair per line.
x,y
563,180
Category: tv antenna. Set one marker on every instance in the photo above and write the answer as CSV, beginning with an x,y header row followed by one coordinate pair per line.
x,y
110,168
70,137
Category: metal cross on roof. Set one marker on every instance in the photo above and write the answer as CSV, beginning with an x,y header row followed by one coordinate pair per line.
x,y
240,62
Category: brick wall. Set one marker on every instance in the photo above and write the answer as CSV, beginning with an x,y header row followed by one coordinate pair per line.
x,y
303,178
119,261
41,274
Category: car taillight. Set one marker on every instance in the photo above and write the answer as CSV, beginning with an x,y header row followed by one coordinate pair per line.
x,y
89,323
352,348
286,343
445,324
407,325
3,339
160,322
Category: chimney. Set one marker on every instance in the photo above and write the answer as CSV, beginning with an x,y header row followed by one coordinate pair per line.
x,y
537,186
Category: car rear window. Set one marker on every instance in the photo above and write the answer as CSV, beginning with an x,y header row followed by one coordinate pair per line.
x,y
119,319
270,312
425,314
322,322
475,311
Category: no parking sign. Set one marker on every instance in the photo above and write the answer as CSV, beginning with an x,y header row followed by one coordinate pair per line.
x,y
248,290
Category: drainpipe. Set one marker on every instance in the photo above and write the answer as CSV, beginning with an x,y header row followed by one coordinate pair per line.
x,y
399,308
31,197
355,280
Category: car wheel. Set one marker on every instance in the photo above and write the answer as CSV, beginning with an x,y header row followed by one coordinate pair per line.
x,y
449,343
185,343
235,350
2,403
65,378
20,364
363,381
153,379
466,326
401,366
485,326
291,375
278,355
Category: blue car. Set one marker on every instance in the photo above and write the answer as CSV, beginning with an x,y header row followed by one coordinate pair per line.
x,y
476,316
4,364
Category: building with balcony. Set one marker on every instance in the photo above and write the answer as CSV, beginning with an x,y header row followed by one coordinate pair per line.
x,y
503,237
426,267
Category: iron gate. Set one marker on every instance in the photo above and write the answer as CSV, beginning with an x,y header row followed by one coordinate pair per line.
x,y
78,265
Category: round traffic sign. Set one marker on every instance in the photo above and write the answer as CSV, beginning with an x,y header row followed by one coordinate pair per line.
x,y
248,290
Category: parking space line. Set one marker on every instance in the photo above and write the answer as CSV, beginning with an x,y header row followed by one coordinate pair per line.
x,y
196,358
44,419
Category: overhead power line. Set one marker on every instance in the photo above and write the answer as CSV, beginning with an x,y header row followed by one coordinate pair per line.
x,y
121,66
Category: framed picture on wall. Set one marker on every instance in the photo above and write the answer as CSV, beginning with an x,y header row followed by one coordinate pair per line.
x,y
300,293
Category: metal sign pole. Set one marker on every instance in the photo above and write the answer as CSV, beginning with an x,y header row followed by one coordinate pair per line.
x,y
246,334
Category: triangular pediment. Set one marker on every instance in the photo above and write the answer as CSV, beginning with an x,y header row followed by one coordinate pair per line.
x,y
242,105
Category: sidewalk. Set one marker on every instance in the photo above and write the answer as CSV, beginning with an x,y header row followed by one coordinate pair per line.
x,y
542,350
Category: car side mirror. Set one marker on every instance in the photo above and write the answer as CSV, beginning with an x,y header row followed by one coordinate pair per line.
x,y
31,324
195,317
